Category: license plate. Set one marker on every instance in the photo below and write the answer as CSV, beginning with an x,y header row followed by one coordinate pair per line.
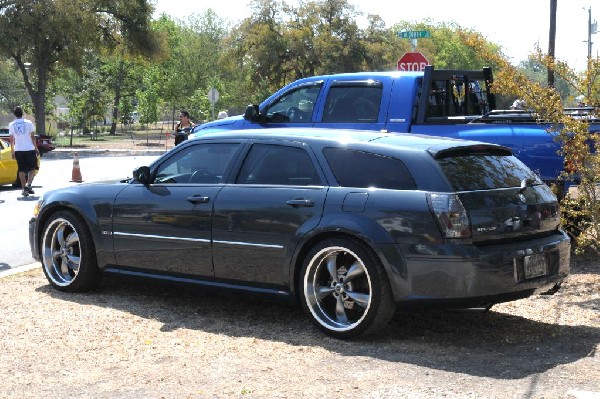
x,y
535,265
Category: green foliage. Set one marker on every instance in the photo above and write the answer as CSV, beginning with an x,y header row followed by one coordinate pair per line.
x,y
12,89
42,35
538,72
276,44
280,43
148,95
190,65
578,144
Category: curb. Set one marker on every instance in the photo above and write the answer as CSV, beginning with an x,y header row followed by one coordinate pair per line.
x,y
60,153
19,269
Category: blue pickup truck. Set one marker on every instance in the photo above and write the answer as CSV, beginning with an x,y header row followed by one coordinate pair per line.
x,y
451,103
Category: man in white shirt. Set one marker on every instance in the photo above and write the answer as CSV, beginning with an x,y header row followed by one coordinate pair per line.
x,y
24,149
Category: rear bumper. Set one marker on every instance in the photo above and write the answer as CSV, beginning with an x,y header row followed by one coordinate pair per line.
x,y
467,275
46,148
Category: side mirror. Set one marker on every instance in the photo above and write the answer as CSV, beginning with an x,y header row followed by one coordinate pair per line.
x,y
252,113
142,175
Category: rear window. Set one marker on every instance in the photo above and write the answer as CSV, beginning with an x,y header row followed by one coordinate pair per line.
x,y
353,102
353,168
484,172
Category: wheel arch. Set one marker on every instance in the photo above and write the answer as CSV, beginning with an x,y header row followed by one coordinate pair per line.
x,y
389,259
68,252
87,216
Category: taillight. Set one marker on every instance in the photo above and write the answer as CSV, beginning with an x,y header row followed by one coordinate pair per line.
x,y
451,215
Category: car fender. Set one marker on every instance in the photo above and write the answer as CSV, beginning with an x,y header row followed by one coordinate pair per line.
x,y
96,214
356,226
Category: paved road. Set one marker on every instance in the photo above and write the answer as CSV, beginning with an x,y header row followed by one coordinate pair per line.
x,y
15,210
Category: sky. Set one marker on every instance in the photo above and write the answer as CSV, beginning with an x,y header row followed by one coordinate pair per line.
x,y
516,25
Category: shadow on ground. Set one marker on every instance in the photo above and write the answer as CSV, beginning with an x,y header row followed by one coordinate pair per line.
x,y
488,344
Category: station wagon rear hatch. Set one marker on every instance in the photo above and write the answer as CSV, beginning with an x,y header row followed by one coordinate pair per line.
x,y
503,198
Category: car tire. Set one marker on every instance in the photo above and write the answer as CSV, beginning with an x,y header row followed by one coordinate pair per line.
x,y
68,254
345,290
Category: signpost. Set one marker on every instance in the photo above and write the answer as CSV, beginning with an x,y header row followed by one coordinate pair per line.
x,y
213,97
412,62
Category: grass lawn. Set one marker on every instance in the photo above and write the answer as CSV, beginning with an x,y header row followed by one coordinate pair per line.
x,y
132,136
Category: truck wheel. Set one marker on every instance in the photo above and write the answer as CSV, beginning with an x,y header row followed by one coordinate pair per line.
x,y
345,290
68,254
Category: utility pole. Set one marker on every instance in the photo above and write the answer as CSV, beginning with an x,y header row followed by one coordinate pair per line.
x,y
589,40
592,29
552,40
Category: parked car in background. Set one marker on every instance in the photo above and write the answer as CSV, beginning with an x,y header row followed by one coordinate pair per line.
x,y
8,166
351,224
44,142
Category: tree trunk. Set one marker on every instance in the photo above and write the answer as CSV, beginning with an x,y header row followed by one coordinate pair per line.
x,y
37,94
117,100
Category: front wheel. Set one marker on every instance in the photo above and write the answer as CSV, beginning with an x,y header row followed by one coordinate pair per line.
x,y
345,290
68,253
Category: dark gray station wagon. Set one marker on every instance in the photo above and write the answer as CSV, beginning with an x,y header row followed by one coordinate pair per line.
x,y
352,224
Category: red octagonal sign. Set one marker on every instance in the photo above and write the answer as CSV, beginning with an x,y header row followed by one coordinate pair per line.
x,y
412,62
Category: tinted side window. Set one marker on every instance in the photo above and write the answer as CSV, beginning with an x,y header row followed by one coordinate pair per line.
x,y
278,164
202,163
363,169
353,102
484,172
294,106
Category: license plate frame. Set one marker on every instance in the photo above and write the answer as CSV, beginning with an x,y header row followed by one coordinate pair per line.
x,y
535,265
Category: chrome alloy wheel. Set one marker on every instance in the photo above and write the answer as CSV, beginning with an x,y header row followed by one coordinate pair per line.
x,y
61,253
337,288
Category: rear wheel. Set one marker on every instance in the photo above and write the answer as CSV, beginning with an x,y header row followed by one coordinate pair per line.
x,y
68,253
345,289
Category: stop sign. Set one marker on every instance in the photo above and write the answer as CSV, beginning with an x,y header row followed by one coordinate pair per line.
x,y
412,62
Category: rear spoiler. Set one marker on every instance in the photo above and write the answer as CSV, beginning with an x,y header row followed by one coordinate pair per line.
x,y
441,151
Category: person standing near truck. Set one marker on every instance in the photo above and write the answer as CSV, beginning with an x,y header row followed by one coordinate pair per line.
x,y
184,127
24,149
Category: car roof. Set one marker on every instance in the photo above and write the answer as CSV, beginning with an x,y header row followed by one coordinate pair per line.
x,y
433,144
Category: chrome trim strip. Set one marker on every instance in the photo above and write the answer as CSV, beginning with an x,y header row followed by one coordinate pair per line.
x,y
118,233
249,244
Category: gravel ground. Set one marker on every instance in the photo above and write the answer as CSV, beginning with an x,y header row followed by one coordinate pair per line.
x,y
140,340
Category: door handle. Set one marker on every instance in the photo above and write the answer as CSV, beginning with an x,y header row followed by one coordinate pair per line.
x,y
301,202
196,199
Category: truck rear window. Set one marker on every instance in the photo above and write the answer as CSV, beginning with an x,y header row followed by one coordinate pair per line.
x,y
485,172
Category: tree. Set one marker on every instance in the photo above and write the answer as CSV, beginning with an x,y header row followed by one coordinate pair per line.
x,y
46,34
188,69
12,90
581,213
538,72
279,43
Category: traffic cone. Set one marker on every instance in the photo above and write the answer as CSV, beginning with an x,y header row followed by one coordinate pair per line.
x,y
76,174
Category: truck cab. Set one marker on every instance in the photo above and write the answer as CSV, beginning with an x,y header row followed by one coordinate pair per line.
x,y
449,103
